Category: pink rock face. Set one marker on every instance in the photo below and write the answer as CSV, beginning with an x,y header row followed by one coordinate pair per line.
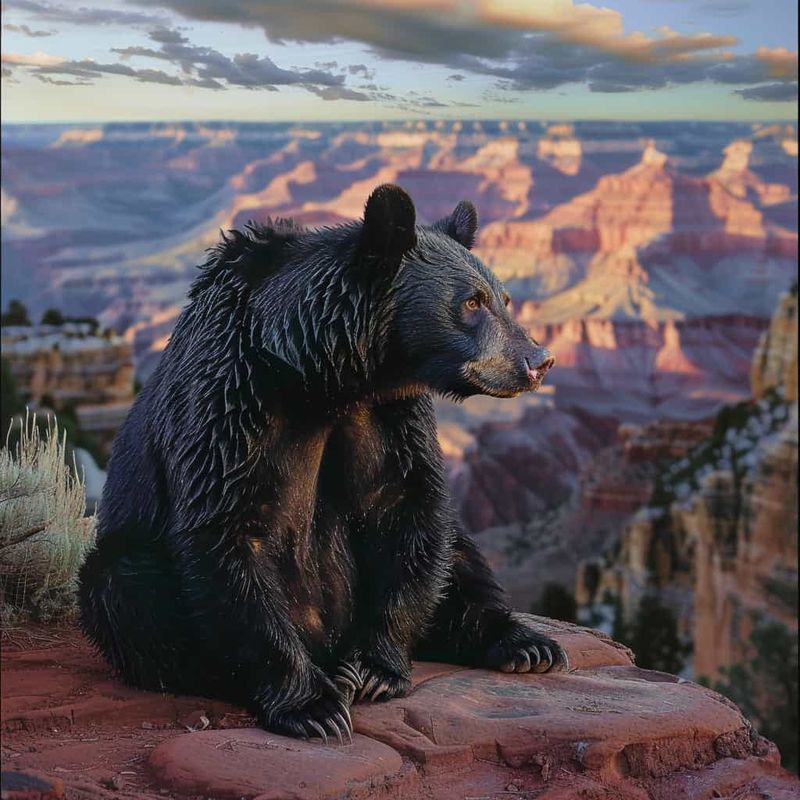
x,y
605,729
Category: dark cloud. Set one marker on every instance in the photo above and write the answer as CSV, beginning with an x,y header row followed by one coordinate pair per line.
x,y
338,93
770,92
746,69
61,82
361,69
82,15
201,67
326,64
27,31
609,86
93,69
244,69
456,77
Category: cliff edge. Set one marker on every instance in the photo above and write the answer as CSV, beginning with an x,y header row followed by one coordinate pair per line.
x,y
605,729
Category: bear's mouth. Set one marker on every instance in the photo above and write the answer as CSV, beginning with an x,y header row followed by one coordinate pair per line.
x,y
504,386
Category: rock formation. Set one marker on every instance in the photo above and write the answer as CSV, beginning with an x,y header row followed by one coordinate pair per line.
x,y
718,540
605,729
71,368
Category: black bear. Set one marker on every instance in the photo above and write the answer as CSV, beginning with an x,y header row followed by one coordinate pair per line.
x,y
276,527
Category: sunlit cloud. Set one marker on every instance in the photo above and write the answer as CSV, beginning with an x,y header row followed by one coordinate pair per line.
x,y
37,59
512,48
781,63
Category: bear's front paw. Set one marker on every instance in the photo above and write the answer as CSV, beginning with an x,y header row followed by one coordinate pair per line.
x,y
381,684
374,680
322,715
521,649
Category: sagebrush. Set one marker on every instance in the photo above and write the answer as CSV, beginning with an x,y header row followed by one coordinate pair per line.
x,y
44,530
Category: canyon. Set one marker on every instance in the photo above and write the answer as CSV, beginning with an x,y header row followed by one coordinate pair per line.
x,y
647,256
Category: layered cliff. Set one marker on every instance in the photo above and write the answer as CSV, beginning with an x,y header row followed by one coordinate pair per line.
x,y
718,539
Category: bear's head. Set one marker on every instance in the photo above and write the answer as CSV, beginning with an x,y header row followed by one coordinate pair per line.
x,y
451,328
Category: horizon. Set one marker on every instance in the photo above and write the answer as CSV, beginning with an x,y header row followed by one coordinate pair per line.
x,y
402,121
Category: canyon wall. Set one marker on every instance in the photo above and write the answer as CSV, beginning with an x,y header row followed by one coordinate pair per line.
x,y
718,539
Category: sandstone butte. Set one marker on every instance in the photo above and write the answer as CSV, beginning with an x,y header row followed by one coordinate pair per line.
x,y
604,729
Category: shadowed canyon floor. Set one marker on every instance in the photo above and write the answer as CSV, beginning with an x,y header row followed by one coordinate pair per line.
x,y
605,729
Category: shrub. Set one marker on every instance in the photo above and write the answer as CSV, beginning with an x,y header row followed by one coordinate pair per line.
x,y
52,317
17,314
557,603
44,533
653,636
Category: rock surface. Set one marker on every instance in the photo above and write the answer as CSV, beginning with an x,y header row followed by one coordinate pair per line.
x,y
605,729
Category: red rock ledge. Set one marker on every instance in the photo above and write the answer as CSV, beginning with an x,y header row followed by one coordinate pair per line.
x,y
605,730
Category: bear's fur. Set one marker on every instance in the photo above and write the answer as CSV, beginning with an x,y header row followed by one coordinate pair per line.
x,y
276,527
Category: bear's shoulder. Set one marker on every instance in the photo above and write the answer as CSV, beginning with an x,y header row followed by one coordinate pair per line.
x,y
251,254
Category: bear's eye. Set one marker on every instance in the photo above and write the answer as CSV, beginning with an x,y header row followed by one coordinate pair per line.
x,y
473,304
506,300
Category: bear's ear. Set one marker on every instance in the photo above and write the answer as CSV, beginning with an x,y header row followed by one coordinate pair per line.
x,y
389,220
461,225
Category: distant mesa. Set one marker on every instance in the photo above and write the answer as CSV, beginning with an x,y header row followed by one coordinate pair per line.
x,y
560,148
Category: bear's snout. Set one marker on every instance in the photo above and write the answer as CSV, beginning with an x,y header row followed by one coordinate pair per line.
x,y
537,365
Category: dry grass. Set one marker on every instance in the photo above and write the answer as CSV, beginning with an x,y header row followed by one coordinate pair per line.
x,y
44,533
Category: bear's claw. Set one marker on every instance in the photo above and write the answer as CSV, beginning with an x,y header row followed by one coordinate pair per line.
x,y
522,649
365,681
349,681
320,718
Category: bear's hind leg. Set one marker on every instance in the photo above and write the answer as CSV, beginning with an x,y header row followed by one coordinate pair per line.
x,y
128,599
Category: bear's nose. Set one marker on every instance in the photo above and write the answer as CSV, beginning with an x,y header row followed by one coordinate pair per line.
x,y
537,371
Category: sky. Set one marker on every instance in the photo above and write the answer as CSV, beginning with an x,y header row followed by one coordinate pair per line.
x,y
313,60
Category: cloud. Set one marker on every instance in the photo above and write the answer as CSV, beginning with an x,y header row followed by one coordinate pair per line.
x,y
81,15
37,59
201,67
91,69
781,63
24,29
361,69
531,45
522,44
338,93
244,69
61,82
770,92
483,29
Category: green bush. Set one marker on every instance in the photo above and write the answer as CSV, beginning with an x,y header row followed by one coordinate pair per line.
x,y
556,603
17,314
52,317
44,533
653,636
